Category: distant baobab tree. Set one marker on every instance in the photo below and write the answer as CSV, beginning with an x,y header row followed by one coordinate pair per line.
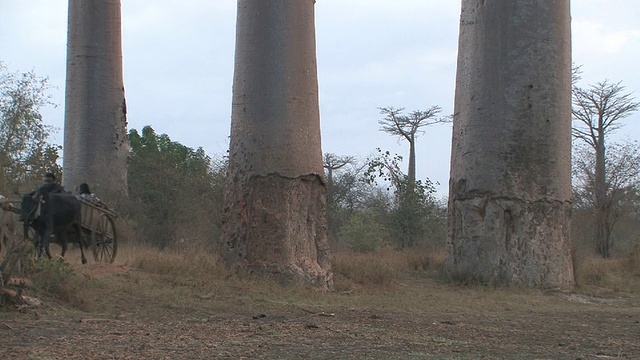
x,y
597,113
407,128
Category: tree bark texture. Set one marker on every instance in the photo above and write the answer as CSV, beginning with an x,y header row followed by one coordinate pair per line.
x,y
275,209
510,185
601,206
96,145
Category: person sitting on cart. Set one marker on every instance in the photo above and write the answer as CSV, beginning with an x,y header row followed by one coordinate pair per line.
x,y
86,194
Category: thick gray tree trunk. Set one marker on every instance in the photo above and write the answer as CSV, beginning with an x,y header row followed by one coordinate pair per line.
x,y
275,213
510,186
96,145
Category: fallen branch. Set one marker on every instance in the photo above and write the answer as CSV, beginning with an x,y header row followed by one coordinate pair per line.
x,y
206,297
20,282
93,320
322,313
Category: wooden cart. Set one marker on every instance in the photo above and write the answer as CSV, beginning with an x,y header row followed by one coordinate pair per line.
x,y
98,223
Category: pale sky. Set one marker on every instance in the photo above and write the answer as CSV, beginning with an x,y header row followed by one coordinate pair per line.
x,y
178,66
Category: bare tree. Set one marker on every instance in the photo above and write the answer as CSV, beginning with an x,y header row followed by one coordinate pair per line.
x,y
407,127
275,218
597,113
95,140
332,162
623,183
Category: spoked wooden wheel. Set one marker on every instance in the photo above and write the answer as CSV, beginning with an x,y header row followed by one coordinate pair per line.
x,y
103,240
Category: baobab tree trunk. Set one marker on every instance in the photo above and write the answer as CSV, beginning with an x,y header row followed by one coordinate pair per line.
x,y
510,186
275,207
95,132
602,232
411,174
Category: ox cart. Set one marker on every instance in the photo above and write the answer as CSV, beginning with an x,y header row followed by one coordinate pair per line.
x,y
97,223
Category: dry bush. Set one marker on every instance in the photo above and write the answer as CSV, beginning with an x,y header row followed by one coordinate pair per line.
x,y
631,262
196,264
180,278
596,272
432,260
613,274
56,280
383,267
362,269
16,255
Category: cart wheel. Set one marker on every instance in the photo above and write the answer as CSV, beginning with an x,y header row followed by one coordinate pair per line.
x,y
103,240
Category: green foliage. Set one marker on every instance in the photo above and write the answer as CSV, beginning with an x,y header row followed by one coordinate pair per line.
x,y
25,151
412,212
414,203
178,189
386,167
50,275
363,233
348,193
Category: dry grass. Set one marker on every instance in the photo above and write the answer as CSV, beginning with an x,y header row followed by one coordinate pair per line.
x,y
612,275
381,268
383,279
56,280
388,295
352,270
194,263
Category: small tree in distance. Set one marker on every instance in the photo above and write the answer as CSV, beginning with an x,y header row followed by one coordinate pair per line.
x,y
597,112
332,162
414,201
407,127
623,182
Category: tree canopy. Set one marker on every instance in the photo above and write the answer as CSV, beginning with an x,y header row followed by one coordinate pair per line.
x,y
179,189
25,151
597,110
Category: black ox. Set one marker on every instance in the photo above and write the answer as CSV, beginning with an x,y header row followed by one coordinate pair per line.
x,y
59,216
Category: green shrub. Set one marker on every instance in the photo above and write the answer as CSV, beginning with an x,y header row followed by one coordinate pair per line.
x,y
362,233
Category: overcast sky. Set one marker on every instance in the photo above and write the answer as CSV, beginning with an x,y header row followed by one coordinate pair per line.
x,y
178,65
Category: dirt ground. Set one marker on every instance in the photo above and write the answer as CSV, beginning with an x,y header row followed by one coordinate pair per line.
x,y
131,314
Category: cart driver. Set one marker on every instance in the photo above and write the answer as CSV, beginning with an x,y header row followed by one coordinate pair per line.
x,y
49,186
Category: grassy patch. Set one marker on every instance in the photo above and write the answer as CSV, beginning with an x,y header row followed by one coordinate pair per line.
x,y
147,280
383,267
609,275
